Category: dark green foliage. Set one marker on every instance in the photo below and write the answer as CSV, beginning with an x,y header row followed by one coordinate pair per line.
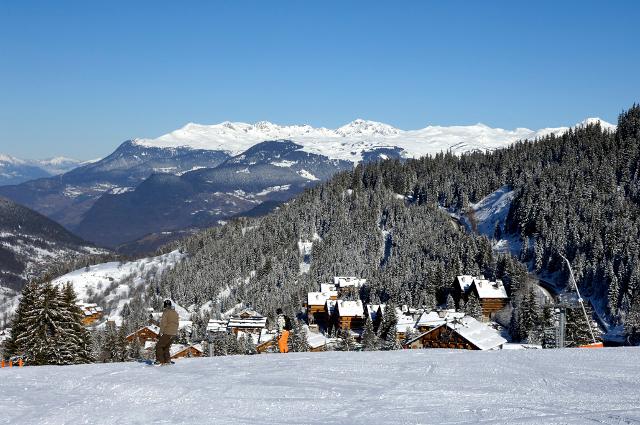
x,y
369,337
472,307
48,327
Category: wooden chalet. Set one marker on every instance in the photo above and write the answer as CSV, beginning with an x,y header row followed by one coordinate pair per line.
x,y
217,326
91,313
349,314
144,334
435,318
406,322
317,306
247,321
466,333
178,351
492,295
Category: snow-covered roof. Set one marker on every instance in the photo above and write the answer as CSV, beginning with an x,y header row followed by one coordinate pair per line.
x,y
348,281
247,322
327,287
317,298
464,282
404,321
217,325
317,340
436,318
477,333
177,348
488,289
153,328
350,308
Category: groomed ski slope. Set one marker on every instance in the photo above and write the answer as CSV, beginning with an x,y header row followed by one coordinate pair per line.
x,y
570,386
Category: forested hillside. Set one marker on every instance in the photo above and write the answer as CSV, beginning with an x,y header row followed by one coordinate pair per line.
x,y
576,194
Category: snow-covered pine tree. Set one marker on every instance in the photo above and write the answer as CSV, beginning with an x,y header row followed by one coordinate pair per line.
x,y
389,322
451,304
369,337
40,341
632,321
110,343
18,324
75,339
299,341
473,307
346,341
577,329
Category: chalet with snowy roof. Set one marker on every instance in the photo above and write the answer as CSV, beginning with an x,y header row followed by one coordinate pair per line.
x,y
433,319
265,340
406,323
466,333
217,326
317,306
144,334
91,313
348,284
349,314
319,342
247,321
329,288
492,295
178,351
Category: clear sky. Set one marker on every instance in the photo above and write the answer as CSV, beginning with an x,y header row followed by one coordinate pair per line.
x,y
79,77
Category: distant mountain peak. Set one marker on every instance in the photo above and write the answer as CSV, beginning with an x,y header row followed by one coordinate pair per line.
x,y
350,141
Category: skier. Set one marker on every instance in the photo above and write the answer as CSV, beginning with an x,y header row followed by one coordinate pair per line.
x,y
168,332
284,327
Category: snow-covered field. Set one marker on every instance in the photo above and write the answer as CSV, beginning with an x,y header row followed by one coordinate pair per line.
x,y
407,387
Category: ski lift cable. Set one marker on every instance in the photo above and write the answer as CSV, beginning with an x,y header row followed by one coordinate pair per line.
x,y
584,311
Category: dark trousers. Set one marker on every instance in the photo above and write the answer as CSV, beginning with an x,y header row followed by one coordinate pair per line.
x,y
163,355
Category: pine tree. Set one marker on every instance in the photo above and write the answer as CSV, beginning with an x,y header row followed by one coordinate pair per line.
x,y
40,341
473,307
110,350
75,339
299,341
369,338
387,328
18,323
346,342
632,322
451,304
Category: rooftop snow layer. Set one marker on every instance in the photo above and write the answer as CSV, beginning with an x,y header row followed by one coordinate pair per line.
x,y
479,334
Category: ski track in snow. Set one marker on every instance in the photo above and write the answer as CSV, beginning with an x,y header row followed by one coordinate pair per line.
x,y
570,386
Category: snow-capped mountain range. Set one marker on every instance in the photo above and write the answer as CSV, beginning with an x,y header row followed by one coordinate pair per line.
x,y
350,141
15,170
200,175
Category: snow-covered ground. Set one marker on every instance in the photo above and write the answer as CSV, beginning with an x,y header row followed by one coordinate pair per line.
x,y
406,387
351,140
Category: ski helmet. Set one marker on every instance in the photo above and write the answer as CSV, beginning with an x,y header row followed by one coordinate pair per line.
x,y
167,303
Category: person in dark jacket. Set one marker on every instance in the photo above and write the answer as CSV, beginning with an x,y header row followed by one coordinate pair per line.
x,y
168,331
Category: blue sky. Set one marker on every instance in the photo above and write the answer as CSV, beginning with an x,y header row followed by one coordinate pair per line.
x,y
79,77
